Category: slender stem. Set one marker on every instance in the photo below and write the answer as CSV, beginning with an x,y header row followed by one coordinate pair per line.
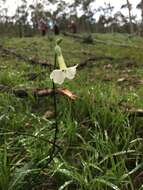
x,y
56,121
56,118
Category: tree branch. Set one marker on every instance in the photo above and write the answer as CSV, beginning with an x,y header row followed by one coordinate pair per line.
x,y
24,58
37,92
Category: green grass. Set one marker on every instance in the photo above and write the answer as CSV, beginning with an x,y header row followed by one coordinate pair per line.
x,y
101,145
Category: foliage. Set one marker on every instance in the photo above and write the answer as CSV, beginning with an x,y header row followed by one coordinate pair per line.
x,y
101,143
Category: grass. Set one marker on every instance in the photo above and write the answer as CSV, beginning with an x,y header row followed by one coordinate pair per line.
x,y
101,145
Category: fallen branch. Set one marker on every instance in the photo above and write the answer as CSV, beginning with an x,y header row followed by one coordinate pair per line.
x,y
33,76
135,112
82,64
131,111
37,92
94,58
24,58
76,36
116,44
95,41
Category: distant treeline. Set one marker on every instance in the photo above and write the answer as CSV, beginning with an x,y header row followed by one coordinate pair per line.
x,y
13,29
25,20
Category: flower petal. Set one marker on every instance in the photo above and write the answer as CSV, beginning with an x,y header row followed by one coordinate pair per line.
x,y
70,72
61,62
58,76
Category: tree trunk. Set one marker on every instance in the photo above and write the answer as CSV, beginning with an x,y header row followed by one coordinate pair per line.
x,y
130,17
142,18
20,30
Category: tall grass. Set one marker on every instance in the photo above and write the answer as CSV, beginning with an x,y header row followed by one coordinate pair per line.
x,y
101,144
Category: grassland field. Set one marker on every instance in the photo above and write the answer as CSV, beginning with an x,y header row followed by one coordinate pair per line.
x,y
100,133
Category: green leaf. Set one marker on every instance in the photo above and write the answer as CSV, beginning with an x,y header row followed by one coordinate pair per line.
x,y
65,185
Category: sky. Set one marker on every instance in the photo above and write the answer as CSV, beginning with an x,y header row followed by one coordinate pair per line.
x,y
12,4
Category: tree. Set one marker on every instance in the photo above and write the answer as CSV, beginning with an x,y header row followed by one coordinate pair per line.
x,y
2,10
21,17
37,11
128,5
88,13
106,15
140,6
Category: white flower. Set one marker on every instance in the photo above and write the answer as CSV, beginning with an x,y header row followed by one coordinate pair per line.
x,y
59,75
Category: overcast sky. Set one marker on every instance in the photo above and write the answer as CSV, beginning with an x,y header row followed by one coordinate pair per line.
x,y
12,4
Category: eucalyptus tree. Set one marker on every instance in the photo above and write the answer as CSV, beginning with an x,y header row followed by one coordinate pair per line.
x,y
128,5
107,16
140,7
37,11
41,9
106,10
21,17
2,9
101,23
87,8
62,14
120,22
5,19
120,19
88,13
73,8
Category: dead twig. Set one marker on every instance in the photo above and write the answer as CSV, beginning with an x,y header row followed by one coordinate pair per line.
x,y
89,60
37,92
24,58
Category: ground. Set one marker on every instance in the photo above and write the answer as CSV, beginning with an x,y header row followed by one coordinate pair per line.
x,y
100,133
